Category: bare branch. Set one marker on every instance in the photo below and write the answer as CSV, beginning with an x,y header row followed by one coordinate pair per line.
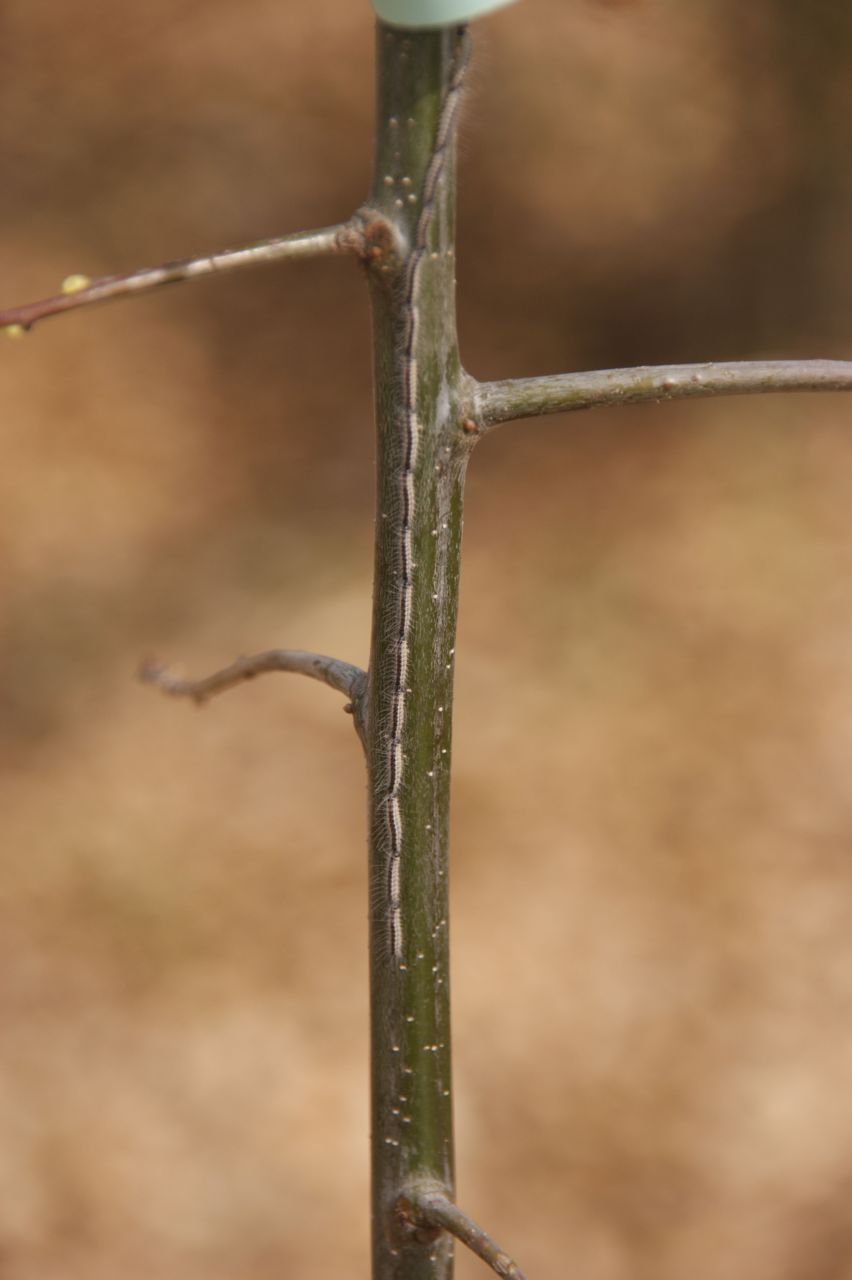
x,y
496,402
429,1208
79,291
342,676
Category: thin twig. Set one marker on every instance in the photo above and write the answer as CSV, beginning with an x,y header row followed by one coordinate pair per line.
x,y
342,676
427,1208
496,402
78,291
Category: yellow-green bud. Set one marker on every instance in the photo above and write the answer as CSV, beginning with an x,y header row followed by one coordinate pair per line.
x,y
73,284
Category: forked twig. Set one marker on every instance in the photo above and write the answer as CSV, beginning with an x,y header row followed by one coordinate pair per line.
x,y
78,291
342,676
429,1208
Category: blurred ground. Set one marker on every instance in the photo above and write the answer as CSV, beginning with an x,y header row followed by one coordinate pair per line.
x,y
652,912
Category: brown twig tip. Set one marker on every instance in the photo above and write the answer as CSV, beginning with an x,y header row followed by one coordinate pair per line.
x,y
428,1208
148,671
154,673
342,676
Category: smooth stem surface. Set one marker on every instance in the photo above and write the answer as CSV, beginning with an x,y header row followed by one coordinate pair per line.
x,y
342,676
496,402
412,1141
78,291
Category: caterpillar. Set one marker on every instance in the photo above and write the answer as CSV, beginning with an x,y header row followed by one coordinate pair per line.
x,y
411,429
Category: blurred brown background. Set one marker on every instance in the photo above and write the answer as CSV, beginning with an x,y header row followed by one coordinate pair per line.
x,y
652,908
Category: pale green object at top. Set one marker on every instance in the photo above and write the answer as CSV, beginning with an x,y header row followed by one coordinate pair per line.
x,y
433,13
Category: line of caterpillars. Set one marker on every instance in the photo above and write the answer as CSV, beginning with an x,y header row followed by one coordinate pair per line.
x,y
411,429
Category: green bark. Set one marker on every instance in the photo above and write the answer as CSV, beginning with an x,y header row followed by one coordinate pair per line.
x,y
412,1140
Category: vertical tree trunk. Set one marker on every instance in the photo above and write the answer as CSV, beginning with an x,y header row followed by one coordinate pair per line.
x,y
421,462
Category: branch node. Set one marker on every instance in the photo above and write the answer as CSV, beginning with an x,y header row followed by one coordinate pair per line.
x,y
372,237
426,1210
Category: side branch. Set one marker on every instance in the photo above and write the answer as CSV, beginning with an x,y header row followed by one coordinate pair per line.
x,y
496,402
78,291
424,1208
342,676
